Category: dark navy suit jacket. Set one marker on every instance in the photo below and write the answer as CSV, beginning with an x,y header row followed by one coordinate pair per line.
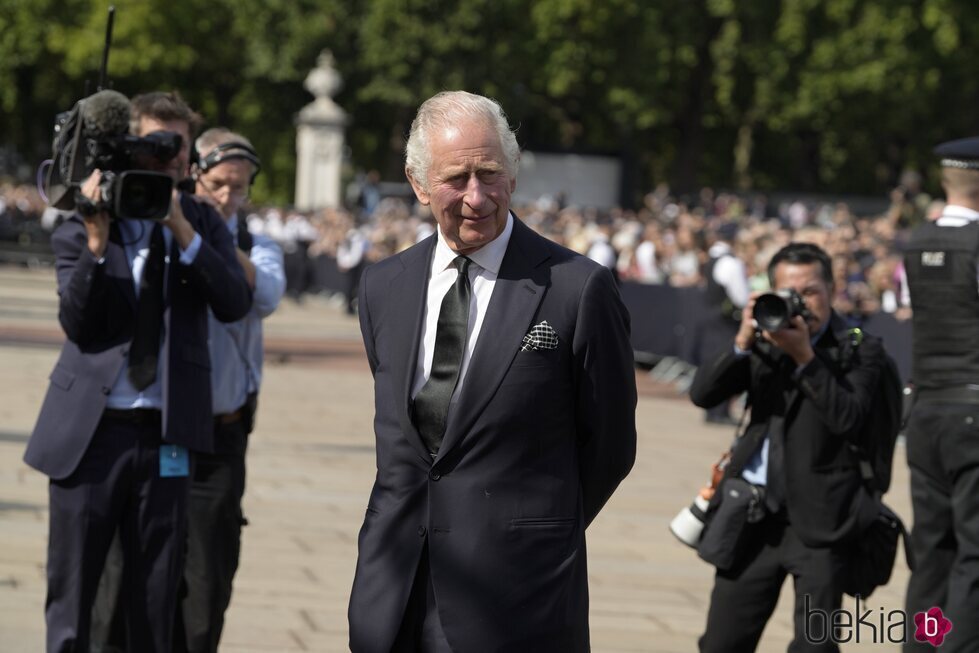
x,y
97,310
535,446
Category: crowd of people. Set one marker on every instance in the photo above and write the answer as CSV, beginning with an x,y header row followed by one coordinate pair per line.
x,y
665,241
138,438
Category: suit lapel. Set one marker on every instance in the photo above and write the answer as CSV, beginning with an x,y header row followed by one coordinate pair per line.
x,y
407,294
117,264
827,349
518,292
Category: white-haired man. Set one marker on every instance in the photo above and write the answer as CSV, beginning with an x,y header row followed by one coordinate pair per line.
x,y
505,410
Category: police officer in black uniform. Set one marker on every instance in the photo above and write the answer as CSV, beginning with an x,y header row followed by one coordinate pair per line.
x,y
943,431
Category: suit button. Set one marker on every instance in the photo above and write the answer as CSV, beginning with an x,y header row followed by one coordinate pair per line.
x,y
106,390
421,531
434,475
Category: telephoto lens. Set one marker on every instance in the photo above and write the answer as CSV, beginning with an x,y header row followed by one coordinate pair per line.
x,y
688,525
774,310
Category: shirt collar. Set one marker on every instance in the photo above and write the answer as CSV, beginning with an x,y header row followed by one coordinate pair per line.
x,y
819,334
719,249
956,211
489,256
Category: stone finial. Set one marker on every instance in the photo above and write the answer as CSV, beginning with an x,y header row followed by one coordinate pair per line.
x,y
323,81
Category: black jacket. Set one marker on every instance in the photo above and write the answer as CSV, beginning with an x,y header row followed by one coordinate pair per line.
x,y
824,408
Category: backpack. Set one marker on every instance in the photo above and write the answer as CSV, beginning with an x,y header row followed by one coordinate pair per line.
x,y
876,448
872,559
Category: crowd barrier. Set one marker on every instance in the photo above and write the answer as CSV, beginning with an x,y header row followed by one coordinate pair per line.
x,y
675,322
666,321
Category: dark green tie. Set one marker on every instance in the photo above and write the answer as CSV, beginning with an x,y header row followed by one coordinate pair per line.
x,y
432,402
145,349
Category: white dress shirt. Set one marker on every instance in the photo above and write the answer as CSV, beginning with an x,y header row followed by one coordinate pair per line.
x,y
136,243
483,271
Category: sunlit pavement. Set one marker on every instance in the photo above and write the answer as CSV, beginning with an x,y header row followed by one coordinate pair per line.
x,y
310,469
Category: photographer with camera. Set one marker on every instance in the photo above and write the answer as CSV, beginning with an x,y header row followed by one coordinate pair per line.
x,y
130,396
794,457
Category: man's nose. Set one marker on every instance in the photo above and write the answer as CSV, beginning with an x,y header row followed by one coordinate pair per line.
x,y
475,192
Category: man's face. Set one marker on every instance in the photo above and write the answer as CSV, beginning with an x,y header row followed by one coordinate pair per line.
x,y
176,167
468,185
225,185
807,280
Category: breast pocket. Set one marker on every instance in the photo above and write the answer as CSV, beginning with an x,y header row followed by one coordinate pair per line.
x,y
62,378
540,358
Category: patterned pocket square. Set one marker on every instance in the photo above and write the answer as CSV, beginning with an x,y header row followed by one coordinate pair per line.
x,y
542,336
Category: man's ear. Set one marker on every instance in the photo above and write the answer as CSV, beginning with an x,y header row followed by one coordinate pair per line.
x,y
420,193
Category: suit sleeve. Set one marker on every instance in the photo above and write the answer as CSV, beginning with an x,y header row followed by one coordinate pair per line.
x,y
90,308
366,328
844,405
215,271
722,378
606,391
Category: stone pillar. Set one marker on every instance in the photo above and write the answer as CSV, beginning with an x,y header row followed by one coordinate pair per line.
x,y
319,140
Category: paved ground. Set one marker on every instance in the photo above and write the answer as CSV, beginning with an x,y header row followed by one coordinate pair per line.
x,y
311,465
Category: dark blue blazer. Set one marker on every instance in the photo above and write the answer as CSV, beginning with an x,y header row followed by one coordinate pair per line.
x,y
97,310
536,444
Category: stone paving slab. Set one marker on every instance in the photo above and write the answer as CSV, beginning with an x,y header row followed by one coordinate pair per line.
x,y
310,469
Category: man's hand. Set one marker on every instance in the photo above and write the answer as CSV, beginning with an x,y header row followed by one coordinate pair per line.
x,y
793,340
746,332
176,221
96,224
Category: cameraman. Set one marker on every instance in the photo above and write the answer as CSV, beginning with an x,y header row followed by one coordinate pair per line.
x,y
130,397
804,408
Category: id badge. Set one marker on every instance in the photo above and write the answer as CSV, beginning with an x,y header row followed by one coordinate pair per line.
x,y
174,461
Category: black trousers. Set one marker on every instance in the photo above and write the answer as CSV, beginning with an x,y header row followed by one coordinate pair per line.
x,y
116,487
213,541
744,597
943,453
213,545
421,629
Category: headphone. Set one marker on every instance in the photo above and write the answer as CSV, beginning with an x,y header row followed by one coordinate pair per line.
x,y
225,152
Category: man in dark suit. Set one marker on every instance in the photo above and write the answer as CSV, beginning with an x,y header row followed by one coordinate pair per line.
x,y
810,391
130,395
504,411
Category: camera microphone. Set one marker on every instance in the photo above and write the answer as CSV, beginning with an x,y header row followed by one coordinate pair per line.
x,y
105,115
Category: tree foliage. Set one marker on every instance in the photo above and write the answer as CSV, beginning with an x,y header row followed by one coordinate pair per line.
x,y
793,94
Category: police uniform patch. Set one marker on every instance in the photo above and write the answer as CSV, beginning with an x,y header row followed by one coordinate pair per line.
x,y
933,259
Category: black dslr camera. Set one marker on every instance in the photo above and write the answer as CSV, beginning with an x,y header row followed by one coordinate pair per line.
x,y
95,134
774,310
